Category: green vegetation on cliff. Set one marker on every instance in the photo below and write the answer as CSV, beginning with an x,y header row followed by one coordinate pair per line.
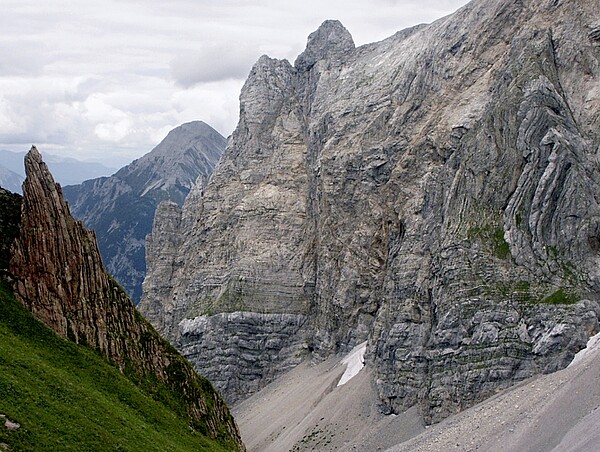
x,y
63,396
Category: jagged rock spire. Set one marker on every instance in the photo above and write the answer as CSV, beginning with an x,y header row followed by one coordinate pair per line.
x,y
60,277
56,260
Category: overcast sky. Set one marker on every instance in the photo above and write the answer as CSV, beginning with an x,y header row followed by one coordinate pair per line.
x,y
106,80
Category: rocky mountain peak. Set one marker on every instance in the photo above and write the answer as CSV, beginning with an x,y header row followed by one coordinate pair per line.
x,y
189,130
51,251
120,208
60,277
433,195
174,164
331,41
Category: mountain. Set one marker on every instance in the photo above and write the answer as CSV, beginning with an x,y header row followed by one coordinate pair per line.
x,y
66,170
121,208
434,194
557,412
58,274
10,180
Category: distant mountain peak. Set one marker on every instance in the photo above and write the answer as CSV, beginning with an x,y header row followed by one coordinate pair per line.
x,y
121,208
10,180
66,170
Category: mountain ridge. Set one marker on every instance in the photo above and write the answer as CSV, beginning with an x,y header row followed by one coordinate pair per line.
x,y
10,180
433,194
121,208
58,274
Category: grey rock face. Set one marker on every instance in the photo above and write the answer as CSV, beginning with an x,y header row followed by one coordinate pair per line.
x,y
435,193
121,208
243,351
331,43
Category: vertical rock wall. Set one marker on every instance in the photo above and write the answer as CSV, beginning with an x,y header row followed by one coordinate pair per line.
x,y
435,193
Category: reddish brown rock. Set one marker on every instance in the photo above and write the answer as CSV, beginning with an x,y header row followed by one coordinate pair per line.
x,y
60,277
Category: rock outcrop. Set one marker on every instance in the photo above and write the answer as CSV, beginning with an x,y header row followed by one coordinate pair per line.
x,y
121,208
10,218
59,275
435,193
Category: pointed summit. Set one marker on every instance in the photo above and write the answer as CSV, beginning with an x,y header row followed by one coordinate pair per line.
x,y
330,42
59,276
56,260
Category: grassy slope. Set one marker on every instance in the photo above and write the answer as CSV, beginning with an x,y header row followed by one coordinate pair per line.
x,y
66,397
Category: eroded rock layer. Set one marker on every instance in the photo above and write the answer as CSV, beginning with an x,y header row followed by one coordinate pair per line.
x,y
60,277
435,193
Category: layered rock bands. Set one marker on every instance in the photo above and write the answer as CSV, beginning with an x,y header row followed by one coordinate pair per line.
x,y
435,194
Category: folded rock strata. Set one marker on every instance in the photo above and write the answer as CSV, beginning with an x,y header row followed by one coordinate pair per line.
x,y
435,194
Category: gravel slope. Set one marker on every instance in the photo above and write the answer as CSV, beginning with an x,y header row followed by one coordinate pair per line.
x,y
305,410
551,412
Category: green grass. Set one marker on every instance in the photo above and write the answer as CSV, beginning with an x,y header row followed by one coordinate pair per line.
x,y
561,296
492,236
501,248
67,397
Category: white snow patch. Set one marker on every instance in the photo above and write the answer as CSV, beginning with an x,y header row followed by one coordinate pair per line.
x,y
593,344
355,360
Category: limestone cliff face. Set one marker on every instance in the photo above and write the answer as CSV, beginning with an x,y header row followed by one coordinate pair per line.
x,y
120,208
435,193
60,277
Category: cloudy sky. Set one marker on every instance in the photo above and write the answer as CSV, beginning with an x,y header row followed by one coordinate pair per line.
x,y
106,80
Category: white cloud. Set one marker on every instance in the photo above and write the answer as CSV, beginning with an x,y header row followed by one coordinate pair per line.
x,y
10,122
21,57
114,131
212,101
212,62
107,80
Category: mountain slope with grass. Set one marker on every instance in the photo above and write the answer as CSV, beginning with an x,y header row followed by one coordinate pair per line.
x,y
65,396
93,363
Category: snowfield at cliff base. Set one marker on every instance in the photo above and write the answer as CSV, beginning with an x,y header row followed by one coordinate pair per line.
x,y
355,361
